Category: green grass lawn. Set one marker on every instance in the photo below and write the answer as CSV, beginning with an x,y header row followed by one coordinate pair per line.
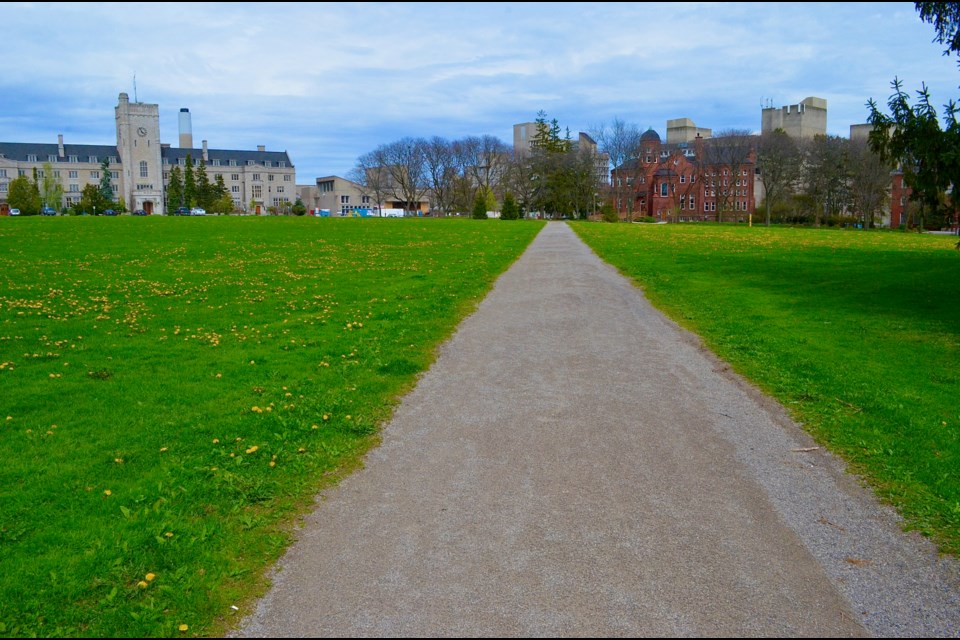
x,y
858,334
176,390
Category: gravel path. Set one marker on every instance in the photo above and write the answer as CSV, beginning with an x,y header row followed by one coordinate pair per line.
x,y
574,464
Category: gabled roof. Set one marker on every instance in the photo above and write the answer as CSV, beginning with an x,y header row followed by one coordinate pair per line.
x,y
173,155
20,151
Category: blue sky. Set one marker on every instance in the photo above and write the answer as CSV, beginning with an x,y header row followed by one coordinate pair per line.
x,y
329,82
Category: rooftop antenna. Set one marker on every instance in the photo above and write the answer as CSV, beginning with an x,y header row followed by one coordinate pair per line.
x,y
135,99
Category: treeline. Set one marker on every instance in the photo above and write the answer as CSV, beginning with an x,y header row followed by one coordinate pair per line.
x,y
192,188
459,177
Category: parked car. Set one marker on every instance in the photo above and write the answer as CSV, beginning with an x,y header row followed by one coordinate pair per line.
x,y
182,211
198,211
110,212
48,211
139,212
14,212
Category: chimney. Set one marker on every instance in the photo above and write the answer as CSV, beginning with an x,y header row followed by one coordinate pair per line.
x,y
186,129
206,156
60,144
261,147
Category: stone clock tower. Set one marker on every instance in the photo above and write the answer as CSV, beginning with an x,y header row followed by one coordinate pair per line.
x,y
138,142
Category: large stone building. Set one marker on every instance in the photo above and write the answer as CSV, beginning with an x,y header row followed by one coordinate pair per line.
x,y
801,121
140,164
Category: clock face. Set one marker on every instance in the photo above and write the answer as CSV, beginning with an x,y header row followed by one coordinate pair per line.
x,y
142,131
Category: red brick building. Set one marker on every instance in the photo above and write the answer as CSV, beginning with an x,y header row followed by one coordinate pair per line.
x,y
708,179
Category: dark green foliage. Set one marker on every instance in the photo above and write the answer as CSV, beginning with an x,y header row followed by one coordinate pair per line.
x,y
609,213
175,198
299,208
106,188
509,210
189,183
479,208
24,195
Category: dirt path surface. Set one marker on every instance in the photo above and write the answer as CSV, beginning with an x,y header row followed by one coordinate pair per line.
x,y
575,465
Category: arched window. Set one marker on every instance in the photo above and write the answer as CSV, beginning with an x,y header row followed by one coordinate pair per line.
x,y
143,169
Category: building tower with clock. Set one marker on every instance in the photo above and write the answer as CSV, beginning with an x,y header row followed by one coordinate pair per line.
x,y
141,166
138,143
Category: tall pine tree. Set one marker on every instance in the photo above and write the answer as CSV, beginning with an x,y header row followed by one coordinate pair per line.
x,y
175,191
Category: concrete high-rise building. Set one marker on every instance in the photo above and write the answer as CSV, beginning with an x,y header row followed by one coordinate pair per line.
x,y
684,130
523,135
801,121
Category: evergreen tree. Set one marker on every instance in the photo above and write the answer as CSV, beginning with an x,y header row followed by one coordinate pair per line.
x,y
510,210
299,208
479,207
106,188
189,184
174,191
205,195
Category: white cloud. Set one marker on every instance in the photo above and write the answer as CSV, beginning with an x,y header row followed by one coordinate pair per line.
x,y
328,82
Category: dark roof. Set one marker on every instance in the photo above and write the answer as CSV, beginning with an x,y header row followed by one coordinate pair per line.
x,y
19,151
650,134
173,155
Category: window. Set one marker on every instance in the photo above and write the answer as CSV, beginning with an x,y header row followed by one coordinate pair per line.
x,y
619,182
256,177
56,174
72,174
112,159
630,181
267,163
282,164
365,199
344,210
663,189
74,159
249,163
257,192
3,173
287,178
3,187
326,186
235,177
713,206
93,160
51,158
114,175
683,202
21,172
725,172
216,162
143,169
683,178
344,199
74,188
279,189
95,175
693,203
706,206
182,162
270,178
166,176
166,161
235,188
233,163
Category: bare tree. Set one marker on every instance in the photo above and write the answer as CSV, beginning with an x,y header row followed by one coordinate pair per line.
x,y
406,165
621,141
778,159
442,172
869,182
730,152
825,175
521,182
485,160
372,175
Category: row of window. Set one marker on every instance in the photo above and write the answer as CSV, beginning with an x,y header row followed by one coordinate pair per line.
x,y
282,164
346,199
32,157
72,174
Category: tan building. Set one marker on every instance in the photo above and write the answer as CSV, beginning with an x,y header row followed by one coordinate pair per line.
x,y
140,165
523,135
339,196
684,130
801,121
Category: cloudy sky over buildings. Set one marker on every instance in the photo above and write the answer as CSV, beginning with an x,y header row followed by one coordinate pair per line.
x,y
328,82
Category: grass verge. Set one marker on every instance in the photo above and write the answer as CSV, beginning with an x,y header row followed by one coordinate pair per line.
x,y
176,390
856,333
